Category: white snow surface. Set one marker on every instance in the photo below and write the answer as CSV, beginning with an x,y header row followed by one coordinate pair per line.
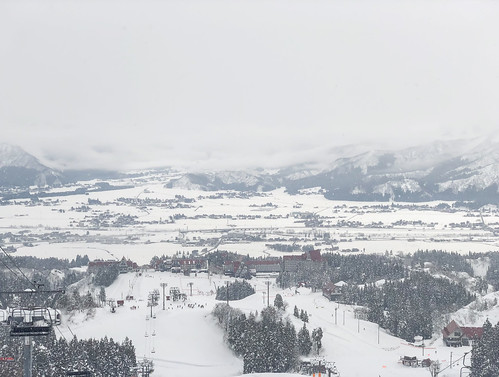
x,y
153,237
188,341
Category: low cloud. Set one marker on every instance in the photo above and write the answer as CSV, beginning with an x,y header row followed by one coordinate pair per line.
x,y
232,83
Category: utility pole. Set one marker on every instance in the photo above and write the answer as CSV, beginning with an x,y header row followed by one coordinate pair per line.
x,y
163,285
378,333
227,292
335,316
27,356
268,292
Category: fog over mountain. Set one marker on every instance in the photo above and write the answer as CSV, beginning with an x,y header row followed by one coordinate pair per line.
x,y
231,84
453,170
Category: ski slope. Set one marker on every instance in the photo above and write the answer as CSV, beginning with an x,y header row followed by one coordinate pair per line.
x,y
188,341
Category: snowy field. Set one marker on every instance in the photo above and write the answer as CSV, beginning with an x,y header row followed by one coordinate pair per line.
x,y
188,342
166,221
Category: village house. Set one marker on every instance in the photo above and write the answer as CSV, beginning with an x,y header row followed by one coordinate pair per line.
x,y
126,265
333,291
457,336
264,266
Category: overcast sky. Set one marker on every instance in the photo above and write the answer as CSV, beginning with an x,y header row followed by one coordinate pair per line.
x,y
232,83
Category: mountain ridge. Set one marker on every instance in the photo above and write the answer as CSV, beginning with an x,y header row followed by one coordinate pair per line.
x,y
462,170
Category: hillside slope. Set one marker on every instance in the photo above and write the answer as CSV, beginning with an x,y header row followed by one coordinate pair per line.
x,y
188,341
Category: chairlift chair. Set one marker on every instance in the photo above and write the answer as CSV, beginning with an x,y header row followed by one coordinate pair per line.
x,y
30,322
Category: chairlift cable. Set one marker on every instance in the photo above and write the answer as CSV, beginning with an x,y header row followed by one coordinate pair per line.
x,y
60,332
71,331
14,263
10,269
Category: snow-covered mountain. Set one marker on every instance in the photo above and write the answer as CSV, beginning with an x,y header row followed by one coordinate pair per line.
x,y
19,168
465,170
452,170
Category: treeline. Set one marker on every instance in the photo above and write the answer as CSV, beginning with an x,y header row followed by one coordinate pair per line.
x,y
442,260
364,268
219,257
72,300
369,268
51,263
485,353
353,269
236,290
267,343
106,276
408,306
55,357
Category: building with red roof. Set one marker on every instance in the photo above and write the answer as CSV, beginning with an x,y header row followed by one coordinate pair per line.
x,y
291,262
457,336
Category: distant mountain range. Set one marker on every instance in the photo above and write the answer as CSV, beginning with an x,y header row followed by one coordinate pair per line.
x,y
457,170
20,169
453,170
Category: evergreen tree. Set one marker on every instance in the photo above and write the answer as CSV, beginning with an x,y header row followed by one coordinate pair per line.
x,y
278,301
304,315
317,339
485,353
102,295
303,341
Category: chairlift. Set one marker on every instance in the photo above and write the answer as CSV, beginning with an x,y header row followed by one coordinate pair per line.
x,y
153,350
154,333
146,335
154,316
30,322
147,318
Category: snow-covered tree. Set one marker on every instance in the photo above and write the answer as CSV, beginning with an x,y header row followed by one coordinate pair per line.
x,y
278,301
303,341
317,339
